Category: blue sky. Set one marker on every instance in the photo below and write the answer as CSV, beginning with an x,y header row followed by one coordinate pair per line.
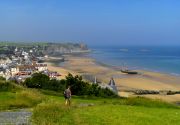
x,y
103,22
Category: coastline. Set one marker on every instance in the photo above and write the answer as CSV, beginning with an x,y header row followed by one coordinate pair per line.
x,y
146,80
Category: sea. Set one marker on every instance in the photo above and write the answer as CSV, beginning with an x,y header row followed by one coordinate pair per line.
x,y
163,59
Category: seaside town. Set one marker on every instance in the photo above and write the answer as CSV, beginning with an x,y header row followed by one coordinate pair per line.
x,y
19,61
21,64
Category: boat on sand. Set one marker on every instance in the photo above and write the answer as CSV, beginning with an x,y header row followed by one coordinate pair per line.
x,y
129,71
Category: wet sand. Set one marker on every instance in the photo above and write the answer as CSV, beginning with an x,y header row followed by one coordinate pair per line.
x,y
145,80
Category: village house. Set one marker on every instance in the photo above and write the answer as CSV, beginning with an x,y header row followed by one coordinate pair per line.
x,y
2,72
52,75
27,68
4,61
14,70
5,72
41,67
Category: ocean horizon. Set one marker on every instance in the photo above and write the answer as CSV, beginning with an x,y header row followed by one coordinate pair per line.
x,y
164,59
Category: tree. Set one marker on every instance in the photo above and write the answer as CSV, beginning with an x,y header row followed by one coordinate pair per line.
x,y
78,86
38,80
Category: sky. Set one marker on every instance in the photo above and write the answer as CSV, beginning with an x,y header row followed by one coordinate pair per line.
x,y
95,22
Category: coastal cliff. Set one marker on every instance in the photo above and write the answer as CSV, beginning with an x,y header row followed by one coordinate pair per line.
x,y
43,48
65,48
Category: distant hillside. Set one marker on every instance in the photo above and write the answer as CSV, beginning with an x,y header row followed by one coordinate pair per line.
x,y
62,48
45,48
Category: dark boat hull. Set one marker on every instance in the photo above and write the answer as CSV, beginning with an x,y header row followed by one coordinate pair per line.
x,y
129,72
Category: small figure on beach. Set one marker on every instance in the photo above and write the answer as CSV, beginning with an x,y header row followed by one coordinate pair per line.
x,y
67,96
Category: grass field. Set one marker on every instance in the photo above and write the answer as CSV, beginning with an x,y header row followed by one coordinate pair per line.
x,y
48,109
21,99
105,112
13,96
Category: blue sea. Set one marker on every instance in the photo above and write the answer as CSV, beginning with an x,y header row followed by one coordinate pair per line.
x,y
159,59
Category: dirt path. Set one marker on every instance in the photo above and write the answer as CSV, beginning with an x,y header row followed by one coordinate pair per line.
x,y
21,117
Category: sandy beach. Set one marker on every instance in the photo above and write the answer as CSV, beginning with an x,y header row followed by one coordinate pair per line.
x,y
146,80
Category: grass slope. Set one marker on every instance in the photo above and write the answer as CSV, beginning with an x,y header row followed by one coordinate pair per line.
x,y
13,96
48,109
106,112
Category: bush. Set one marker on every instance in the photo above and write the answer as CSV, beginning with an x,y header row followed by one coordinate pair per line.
x,y
55,85
42,81
38,80
6,86
78,86
2,78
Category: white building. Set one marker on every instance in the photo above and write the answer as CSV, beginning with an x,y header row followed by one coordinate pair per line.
x,y
5,73
5,61
14,70
41,67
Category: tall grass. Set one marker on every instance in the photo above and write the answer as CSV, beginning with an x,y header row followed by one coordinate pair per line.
x,y
145,102
132,101
122,111
51,114
13,96
29,98
9,86
20,99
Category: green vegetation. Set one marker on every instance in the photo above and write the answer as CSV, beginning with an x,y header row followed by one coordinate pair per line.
x,y
48,108
97,111
21,99
8,86
78,86
13,96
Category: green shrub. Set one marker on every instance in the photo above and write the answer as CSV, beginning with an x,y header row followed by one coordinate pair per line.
x,y
2,78
38,80
55,85
78,86
6,86
42,81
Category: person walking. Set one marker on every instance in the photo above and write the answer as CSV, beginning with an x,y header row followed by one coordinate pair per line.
x,y
67,96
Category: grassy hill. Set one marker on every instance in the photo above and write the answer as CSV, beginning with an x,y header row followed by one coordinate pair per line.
x,y
13,96
48,108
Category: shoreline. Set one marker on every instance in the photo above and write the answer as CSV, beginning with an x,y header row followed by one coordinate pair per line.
x,y
147,80
138,69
